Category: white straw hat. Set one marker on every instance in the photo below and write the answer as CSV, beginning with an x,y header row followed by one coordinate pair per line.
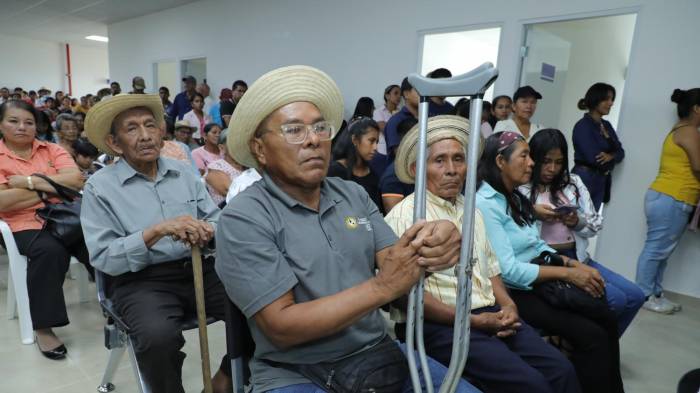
x,y
98,121
274,90
439,128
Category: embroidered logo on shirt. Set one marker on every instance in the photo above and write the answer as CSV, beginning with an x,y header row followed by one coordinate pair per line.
x,y
351,222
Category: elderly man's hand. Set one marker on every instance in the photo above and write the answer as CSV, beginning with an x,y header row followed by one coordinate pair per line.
x,y
438,244
188,230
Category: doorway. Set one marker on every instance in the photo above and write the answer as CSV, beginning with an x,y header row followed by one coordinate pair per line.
x,y
460,51
195,67
165,75
561,60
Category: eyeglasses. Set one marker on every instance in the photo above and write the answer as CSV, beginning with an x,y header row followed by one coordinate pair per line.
x,y
296,133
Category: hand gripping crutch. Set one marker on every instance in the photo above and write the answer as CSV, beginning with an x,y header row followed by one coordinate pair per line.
x,y
473,84
201,317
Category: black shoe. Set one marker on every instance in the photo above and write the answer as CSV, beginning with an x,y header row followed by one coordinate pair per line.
x,y
57,353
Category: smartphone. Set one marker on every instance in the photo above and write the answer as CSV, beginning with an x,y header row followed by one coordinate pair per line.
x,y
565,209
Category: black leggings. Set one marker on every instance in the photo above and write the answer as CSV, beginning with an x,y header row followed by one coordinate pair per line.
x,y
48,260
596,353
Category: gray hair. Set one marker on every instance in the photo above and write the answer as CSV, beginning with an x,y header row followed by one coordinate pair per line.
x,y
64,117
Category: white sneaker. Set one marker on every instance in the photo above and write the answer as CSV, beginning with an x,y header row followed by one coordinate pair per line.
x,y
655,304
676,307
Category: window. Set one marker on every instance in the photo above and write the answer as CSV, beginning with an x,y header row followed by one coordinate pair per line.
x,y
460,51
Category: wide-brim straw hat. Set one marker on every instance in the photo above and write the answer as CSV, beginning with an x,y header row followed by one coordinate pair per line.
x,y
274,90
98,121
439,128
184,123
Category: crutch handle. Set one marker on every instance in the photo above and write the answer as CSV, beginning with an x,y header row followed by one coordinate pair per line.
x,y
474,82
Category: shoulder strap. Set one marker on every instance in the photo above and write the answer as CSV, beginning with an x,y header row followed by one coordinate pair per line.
x,y
62,191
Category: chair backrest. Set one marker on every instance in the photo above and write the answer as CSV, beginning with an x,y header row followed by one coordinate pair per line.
x,y
9,240
239,341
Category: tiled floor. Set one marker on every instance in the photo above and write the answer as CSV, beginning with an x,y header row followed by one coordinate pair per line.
x,y
656,351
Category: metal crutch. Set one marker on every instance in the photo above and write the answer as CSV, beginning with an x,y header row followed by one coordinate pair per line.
x,y
473,84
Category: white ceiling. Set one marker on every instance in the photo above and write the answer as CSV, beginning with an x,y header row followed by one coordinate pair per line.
x,y
72,20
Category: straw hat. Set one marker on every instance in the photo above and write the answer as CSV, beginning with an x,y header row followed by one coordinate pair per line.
x,y
98,121
184,123
276,89
439,128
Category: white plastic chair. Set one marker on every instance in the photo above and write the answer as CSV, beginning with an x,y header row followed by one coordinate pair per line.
x,y
17,296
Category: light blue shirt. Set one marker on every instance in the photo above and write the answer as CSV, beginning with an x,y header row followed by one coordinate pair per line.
x,y
119,203
215,113
514,245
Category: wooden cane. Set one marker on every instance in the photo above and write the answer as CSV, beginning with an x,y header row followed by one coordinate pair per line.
x,y
201,317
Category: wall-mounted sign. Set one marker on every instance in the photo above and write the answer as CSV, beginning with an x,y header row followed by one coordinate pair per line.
x,y
548,71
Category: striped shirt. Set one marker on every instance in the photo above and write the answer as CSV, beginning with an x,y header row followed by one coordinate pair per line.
x,y
443,285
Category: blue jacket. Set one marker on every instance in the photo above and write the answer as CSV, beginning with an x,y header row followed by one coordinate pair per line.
x,y
588,143
181,105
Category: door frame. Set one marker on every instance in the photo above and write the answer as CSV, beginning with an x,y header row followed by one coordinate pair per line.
x,y
631,65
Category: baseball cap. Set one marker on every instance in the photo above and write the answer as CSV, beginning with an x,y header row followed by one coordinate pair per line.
x,y
526,91
138,83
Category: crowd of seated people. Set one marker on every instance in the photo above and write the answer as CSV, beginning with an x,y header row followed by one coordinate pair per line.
x,y
311,241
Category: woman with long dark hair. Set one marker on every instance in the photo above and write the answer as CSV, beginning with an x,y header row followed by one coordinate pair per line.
x,y
510,225
197,117
44,131
501,109
597,149
670,199
352,154
568,218
363,108
211,151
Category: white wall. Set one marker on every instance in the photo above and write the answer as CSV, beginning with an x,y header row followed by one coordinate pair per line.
x,y
90,69
31,64
365,45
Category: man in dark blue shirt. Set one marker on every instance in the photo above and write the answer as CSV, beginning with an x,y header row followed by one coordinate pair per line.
x,y
391,188
409,111
438,105
181,104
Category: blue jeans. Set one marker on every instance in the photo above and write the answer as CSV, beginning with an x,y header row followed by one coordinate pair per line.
x,y
667,219
624,297
437,371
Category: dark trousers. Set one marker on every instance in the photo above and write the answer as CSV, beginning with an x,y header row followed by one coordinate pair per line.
x,y
522,363
596,350
598,184
153,302
48,260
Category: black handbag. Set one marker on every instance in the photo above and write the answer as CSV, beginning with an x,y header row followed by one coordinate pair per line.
x,y
62,219
380,369
564,295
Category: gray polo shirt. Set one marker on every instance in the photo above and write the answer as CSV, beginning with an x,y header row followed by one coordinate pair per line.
x,y
268,244
119,204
